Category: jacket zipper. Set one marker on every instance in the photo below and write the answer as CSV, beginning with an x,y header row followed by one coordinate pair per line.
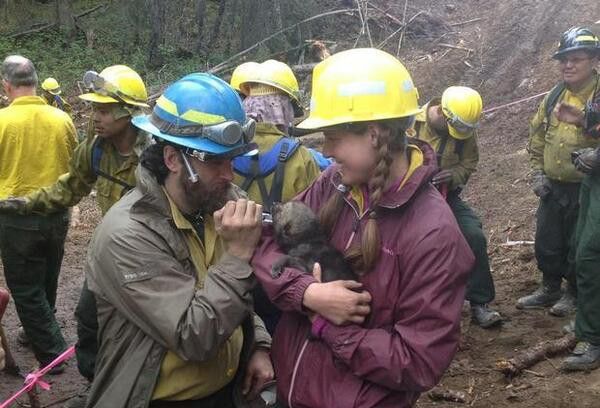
x,y
295,372
356,225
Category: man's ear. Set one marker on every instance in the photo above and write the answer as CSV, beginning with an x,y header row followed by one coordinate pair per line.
x,y
172,158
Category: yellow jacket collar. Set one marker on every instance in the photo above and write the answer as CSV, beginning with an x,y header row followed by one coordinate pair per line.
x,y
28,100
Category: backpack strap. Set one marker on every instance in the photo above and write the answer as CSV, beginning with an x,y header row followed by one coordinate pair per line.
x,y
257,168
59,102
277,185
439,154
459,148
97,152
552,100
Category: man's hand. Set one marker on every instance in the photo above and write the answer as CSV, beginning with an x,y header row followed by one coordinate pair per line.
x,y
13,205
238,223
586,160
442,177
540,184
258,373
337,301
569,114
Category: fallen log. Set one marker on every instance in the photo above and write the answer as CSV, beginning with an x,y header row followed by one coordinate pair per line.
x,y
37,27
440,394
533,355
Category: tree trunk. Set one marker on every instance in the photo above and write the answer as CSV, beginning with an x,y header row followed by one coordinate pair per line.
x,y
157,9
278,16
65,18
254,21
200,13
218,22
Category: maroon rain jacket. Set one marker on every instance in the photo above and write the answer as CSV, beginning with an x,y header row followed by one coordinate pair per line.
x,y
418,286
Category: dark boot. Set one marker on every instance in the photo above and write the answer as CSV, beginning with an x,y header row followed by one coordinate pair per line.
x,y
484,316
544,296
585,357
565,306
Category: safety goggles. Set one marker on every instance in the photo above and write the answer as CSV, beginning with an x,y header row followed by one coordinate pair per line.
x,y
460,125
97,84
230,154
228,133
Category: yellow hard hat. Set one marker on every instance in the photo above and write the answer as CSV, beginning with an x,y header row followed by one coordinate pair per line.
x,y
358,85
115,84
276,74
241,74
51,85
462,108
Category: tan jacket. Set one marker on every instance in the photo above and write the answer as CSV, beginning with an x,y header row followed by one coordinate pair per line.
x,y
141,273
551,142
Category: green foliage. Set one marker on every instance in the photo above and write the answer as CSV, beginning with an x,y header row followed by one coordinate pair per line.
x,y
120,32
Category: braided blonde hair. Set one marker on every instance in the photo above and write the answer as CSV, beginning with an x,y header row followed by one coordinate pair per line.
x,y
363,257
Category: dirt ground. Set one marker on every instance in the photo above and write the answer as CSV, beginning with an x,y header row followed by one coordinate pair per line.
x,y
510,59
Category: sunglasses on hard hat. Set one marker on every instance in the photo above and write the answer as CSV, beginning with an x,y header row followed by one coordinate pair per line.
x,y
97,84
227,133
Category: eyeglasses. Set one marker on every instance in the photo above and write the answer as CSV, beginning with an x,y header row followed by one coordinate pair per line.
x,y
228,155
227,133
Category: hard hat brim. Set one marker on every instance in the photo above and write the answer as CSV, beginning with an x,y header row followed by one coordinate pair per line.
x,y
94,97
53,91
560,53
196,143
315,123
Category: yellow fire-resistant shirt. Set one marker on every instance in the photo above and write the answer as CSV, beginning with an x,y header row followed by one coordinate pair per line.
x,y
550,150
36,144
300,169
458,156
181,380
81,177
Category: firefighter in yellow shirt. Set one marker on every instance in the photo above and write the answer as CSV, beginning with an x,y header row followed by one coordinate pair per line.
x,y
36,144
556,181
51,93
283,168
449,125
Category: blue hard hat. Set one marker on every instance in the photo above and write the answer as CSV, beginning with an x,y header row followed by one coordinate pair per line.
x,y
201,112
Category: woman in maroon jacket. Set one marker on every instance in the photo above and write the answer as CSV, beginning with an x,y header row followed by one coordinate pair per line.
x,y
380,341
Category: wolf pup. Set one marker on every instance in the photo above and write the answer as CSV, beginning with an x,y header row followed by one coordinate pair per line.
x,y
300,236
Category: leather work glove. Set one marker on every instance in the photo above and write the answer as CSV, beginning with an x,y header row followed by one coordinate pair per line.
x,y
12,205
540,184
569,114
586,160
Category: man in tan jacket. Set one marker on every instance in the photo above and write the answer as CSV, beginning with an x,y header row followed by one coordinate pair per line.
x,y
169,264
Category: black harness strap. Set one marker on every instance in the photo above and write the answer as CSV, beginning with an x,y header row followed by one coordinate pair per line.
x,y
277,186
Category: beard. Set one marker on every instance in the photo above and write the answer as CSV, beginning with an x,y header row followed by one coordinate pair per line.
x,y
206,199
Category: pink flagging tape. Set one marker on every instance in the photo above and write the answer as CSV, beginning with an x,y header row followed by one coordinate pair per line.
x,y
518,101
35,378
